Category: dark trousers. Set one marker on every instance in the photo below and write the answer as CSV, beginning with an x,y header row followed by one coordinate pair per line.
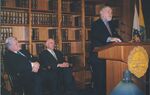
x,y
49,81
98,75
23,83
66,82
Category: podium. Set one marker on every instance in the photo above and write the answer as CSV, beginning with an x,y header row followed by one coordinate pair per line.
x,y
116,55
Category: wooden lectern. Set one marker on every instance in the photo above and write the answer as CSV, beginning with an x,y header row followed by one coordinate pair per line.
x,y
116,55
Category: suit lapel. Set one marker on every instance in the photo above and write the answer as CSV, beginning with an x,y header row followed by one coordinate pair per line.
x,y
106,28
52,55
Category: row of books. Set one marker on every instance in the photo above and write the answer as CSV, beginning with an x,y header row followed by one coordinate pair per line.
x,y
2,51
88,21
72,48
21,17
5,32
38,48
67,34
34,4
53,5
71,6
90,9
14,17
52,33
76,6
67,5
22,3
3,2
87,34
15,3
25,46
44,19
71,34
35,34
66,48
71,21
51,20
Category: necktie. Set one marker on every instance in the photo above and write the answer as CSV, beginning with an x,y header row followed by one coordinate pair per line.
x,y
20,53
107,25
53,53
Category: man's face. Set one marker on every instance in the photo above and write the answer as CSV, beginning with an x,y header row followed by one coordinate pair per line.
x,y
50,44
107,14
15,46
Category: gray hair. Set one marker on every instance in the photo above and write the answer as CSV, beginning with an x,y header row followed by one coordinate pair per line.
x,y
104,9
9,41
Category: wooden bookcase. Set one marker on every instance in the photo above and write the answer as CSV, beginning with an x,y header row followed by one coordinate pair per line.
x,y
67,21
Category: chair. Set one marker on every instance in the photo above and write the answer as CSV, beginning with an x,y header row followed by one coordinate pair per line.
x,y
16,89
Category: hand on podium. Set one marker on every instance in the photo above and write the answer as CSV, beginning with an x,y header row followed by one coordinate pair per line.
x,y
113,39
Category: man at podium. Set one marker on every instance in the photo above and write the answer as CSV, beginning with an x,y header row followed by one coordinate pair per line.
x,y
102,33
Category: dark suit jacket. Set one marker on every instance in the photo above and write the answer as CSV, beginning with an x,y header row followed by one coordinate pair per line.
x,y
100,33
61,75
47,60
98,37
20,71
18,64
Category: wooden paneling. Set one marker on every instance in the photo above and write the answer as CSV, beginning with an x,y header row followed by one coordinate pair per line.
x,y
43,33
116,55
114,74
120,51
21,33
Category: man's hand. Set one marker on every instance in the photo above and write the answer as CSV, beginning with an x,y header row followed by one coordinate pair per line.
x,y
35,66
63,65
113,39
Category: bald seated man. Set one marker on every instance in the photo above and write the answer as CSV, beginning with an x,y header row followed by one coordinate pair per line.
x,y
56,70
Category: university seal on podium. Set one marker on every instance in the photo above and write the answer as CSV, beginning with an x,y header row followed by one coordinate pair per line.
x,y
138,61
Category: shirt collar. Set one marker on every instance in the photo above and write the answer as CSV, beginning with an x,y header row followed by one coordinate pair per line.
x,y
15,51
105,21
50,50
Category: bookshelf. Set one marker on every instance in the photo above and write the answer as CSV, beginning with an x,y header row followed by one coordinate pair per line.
x,y
66,21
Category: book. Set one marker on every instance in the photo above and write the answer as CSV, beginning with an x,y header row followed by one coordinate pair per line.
x,y
35,34
5,32
52,33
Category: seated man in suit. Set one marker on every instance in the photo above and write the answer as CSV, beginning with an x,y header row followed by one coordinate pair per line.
x,y
21,66
54,67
